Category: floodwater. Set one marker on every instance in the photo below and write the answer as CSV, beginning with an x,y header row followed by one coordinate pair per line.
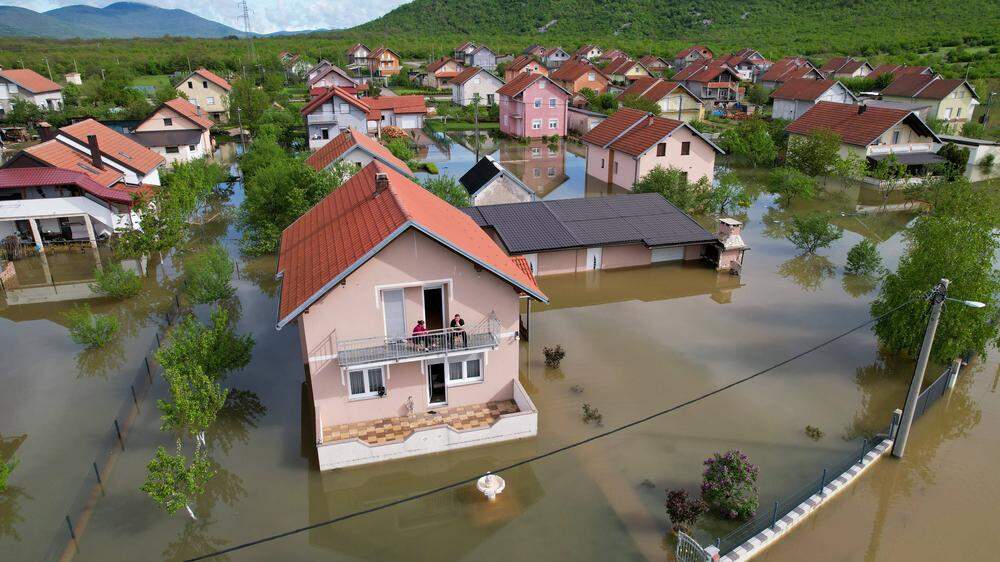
x,y
637,341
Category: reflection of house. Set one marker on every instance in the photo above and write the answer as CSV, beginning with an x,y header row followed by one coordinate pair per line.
x,y
846,67
631,143
473,82
576,75
357,147
540,165
674,99
489,183
176,130
533,106
787,69
205,89
381,391
795,96
524,64
28,85
951,101
571,235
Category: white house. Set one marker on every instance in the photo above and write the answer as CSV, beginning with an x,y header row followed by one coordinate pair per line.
x,y
475,81
489,183
795,96
28,85
177,130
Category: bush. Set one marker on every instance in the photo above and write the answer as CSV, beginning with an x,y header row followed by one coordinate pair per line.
x,y
683,510
729,485
207,275
790,183
447,188
751,142
215,349
400,148
863,258
117,282
973,130
814,433
987,162
591,414
553,356
812,232
814,154
6,467
89,329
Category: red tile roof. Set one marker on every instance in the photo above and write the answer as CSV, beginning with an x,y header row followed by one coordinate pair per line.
x,y
922,86
355,47
214,78
338,92
519,84
652,60
802,89
900,70
347,140
857,125
13,178
570,70
643,136
653,89
842,65
397,104
520,62
115,145
466,75
619,65
59,155
434,66
634,132
341,232
189,111
700,71
605,132
787,68
30,80
700,48
584,49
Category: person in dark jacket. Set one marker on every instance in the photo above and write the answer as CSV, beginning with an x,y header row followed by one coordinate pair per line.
x,y
457,327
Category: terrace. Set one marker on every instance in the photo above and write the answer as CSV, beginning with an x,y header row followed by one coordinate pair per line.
x,y
429,344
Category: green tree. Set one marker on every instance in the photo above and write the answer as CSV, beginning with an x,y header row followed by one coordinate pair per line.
x,y
891,174
173,483
196,399
751,142
850,169
812,232
89,329
23,112
6,467
973,130
251,100
400,148
790,183
447,188
116,282
640,103
758,95
673,184
215,349
728,196
863,258
814,154
207,275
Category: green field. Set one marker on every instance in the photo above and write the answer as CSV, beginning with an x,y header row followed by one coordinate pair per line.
x,y
154,80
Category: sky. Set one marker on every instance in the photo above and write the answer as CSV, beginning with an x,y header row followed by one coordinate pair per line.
x,y
266,15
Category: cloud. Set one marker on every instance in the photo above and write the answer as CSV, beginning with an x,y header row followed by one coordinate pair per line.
x,y
266,16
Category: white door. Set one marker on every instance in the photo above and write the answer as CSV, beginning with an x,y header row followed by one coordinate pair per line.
x,y
393,304
668,254
594,258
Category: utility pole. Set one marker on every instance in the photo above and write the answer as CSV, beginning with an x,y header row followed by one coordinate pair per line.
x,y
475,113
239,120
245,16
938,297
47,67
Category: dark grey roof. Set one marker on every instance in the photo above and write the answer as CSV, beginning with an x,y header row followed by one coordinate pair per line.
x,y
479,175
646,218
167,138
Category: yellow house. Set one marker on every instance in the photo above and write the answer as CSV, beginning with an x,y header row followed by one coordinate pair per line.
x,y
675,101
209,92
951,101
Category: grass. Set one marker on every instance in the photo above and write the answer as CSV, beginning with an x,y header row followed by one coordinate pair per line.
x,y
154,80
453,125
420,91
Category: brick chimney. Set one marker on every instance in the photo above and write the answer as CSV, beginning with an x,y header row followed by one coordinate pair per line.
x,y
381,183
729,227
95,152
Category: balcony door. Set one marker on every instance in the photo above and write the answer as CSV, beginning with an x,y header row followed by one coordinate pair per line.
x,y
437,393
434,307
393,305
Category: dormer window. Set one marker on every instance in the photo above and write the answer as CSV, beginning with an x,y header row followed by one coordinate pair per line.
x,y
168,122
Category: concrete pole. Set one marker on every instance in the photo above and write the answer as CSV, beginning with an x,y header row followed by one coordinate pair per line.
x,y
37,236
90,231
909,409
956,366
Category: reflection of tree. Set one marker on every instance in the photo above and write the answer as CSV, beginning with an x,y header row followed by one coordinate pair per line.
x,y
242,410
10,498
101,361
194,541
807,271
859,285
260,272
225,486
878,383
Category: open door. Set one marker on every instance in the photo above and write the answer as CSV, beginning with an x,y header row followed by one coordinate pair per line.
x,y
437,393
434,307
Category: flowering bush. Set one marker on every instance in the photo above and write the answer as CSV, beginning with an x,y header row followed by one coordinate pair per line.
x,y
729,485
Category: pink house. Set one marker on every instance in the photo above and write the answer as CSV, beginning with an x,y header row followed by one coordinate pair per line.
x,y
358,272
532,106
628,145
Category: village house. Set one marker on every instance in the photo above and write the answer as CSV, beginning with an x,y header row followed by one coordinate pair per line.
x,y
580,120
384,62
357,56
523,64
462,51
73,78
694,53
554,57
533,106
898,70
795,96
474,84
574,235
674,99
952,101
786,69
441,71
654,64
294,64
355,147
489,183
534,50
28,85
204,89
625,147
380,389
575,75
320,67
846,67
176,130
405,112
748,64
483,57
332,75
624,69
612,54
589,52
335,111
713,81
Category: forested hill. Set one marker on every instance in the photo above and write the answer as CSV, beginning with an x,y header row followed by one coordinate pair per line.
x,y
801,26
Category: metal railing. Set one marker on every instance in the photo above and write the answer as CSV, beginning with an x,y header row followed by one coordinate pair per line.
x,y
382,349
328,117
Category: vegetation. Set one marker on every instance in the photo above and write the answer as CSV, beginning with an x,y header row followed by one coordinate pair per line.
x,y
89,329
196,401
814,433
683,510
215,349
640,103
553,356
207,275
814,154
605,103
446,187
812,232
591,414
401,148
6,467
729,485
863,258
173,483
752,142
116,282
698,197
850,169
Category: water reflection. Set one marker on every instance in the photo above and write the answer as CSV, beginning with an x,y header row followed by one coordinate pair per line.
x,y
10,498
808,271
195,540
241,412
859,285
101,362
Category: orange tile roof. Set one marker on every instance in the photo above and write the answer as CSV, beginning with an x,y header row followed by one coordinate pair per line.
x,y
342,143
700,48
30,80
857,125
466,75
397,104
699,71
59,155
434,66
214,78
115,145
335,91
341,232
642,137
619,65
523,80
520,62
189,112
605,132
786,68
804,89
652,89
923,86
446,74
574,69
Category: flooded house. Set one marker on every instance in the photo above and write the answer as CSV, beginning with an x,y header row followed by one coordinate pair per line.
x,y
796,95
176,130
533,106
674,99
390,376
488,183
357,148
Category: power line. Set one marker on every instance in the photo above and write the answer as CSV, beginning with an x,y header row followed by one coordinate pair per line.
x,y
566,447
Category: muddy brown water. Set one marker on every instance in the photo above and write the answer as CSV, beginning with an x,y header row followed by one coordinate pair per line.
x,y
637,341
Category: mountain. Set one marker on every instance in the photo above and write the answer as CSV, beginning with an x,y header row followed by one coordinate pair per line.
x,y
121,19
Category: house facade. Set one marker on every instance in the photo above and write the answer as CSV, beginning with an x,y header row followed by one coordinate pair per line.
x,y
533,106
714,81
176,130
28,85
787,69
474,84
795,96
623,70
952,101
357,55
694,53
489,183
589,52
625,147
748,64
523,64
405,112
674,99
654,64
208,91
379,390
575,75
357,148
332,113
441,71
384,62
846,67
554,57
483,57
580,120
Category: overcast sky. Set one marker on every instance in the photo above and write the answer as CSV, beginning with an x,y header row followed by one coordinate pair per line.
x,y
265,15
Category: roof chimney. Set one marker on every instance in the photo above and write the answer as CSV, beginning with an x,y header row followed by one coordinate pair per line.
x,y
95,152
381,182
862,108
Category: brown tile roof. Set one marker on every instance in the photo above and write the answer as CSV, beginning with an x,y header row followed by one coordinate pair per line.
x,y
345,141
701,48
59,155
605,132
653,89
30,80
923,86
12,178
900,70
652,60
214,78
699,71
338,92
467,75
523,80
115,145
397,104
584,49
802,89
857,125
570,70
846,65
189,111
643,136
520,62
348,226
619,65
786,68
434,66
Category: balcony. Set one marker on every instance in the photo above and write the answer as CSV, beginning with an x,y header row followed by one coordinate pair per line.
x,y
388,349
321,118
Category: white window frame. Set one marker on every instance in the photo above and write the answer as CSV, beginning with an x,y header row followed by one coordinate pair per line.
x,y
591,76
369,392
538,103
344,108
464,378
553,123
552,102
536,124
210,100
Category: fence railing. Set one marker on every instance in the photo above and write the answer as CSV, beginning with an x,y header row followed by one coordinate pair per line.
x,y
432,342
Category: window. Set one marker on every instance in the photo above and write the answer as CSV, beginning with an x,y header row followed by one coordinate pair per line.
x,y
958,112
602,163
536,124
537,172
490,99
959,93
344,108
616,167
552,150
552,102
168,122
209,101
324,133
685,148
591,76
895,137
536,152
947,113
190,85
173,150
553,123
204,84
661,149
192,147
541,85
538,103
366,383
465,369
551,172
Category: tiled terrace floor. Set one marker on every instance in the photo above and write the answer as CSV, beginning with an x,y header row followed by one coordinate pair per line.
x,y
389,430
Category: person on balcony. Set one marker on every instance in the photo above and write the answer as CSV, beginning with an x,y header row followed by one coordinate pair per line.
x,y
419,335
458,331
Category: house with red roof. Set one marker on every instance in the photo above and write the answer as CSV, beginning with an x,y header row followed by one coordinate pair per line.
x,y
336,110
475,85
332,75
177,130
28,85
357,148
952,101
589,52
898,70
575,75
357,55
408,326
384,62
748,64
625,147
524,64
786,69
441,71
674,99
694,53
654,64
713,80
533,106
846,67
795,96
209,91
623,69
554,57
405,112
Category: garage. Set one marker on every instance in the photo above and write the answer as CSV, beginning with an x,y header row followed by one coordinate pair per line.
x,y
675,253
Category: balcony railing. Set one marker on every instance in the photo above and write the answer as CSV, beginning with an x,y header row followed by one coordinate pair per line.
x,y
321,118
388,349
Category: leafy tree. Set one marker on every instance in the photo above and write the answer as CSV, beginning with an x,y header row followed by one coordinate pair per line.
x,y
812,232
863,258
790,183
957,157
215,349
196,401
729,485
117,282
890,173
89,329
640,103
400,148
602,103
173,483
283,125
672,184
684,511
973,130
251,101
24,112
729,195
751,142
758,95
448,189
207,275
850,169
814,154
6,467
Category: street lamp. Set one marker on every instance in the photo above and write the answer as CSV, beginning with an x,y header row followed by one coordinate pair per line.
x,y
937,298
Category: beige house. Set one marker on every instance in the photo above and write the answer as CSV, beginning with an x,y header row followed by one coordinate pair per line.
x,y
951,101
674,99
489,183
208,91
177,130
475,84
